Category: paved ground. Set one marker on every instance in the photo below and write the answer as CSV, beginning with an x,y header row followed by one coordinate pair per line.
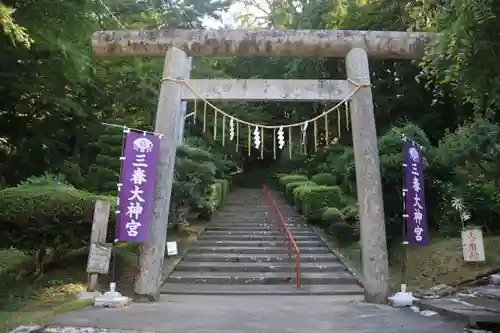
x,y
259,314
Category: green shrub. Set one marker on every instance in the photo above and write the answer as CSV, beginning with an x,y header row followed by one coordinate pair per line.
x,y
224,188
193,177
194,153
212,201
298,194
344,233
279,175
225,168
333,221
290,179
104,171
350,213
330,216
290,187
37,218
195,188
316,198
48,179
324,179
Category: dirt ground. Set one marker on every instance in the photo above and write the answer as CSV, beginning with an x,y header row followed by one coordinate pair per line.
x,y
441,262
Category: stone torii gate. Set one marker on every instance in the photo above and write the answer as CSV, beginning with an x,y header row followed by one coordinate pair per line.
x,y
355,46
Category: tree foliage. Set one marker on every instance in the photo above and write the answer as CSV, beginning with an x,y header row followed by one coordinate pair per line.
x,y
56,95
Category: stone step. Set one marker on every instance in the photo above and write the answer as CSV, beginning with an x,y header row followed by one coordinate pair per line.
x,y
234,257
258,267
256,250
292,212
258,243
260,278
241,215
261,211
253,224
256,232
242,253
255,237
353,290
262,208
238,221
240,228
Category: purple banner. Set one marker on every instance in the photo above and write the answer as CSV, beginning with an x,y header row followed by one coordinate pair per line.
x,y
137,190
417,232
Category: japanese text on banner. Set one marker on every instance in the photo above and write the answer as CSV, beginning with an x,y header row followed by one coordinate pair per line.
x,y
138,179
416,213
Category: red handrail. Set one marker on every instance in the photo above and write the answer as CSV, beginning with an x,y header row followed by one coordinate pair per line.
x,y
289,241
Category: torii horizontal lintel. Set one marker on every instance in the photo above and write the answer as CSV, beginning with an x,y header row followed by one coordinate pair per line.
x,y
266,90
261,42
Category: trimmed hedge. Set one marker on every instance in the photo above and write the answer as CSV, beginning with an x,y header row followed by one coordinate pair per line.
x,y
37,218
324,179
331,215
344,226
298,194
316,198
217,193
290,187
343,233
223,187
323,204
350,213
290,179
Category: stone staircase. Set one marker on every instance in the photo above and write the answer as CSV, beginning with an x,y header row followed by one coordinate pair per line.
x,y
241,253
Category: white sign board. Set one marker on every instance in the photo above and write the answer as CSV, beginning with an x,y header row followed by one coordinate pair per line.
x,y
171,248
99,257
473,245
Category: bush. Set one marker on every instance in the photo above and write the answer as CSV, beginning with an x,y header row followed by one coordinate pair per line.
x,y
194,153
224,186
334,221
324,179
195,188
344,233
316,198
350,213
193,177
290,179
298,194
290,187
216,196
104,171
330,216
48,179
37,218
225,168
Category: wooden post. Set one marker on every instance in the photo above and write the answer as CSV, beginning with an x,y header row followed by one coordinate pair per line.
x,y
152,252
98,236
369,188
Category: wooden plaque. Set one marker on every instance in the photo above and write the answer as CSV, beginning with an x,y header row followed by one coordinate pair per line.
x,y
99,258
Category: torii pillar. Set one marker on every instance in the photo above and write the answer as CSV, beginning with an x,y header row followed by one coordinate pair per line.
x,y
355,46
